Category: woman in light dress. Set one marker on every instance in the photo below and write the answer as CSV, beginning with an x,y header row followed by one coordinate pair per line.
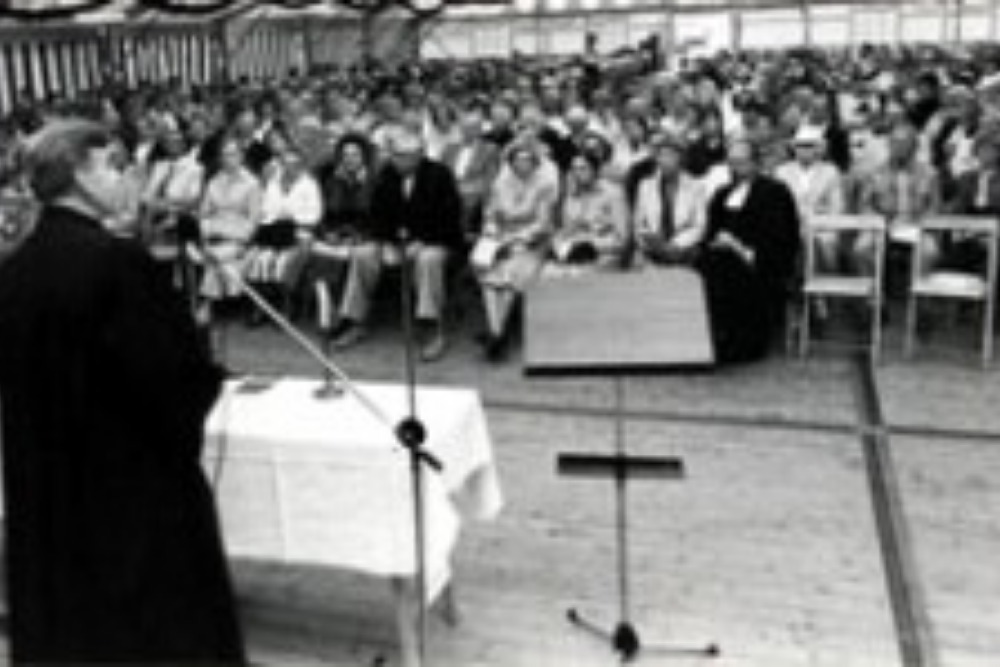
x,y
516,237
230,211
593,221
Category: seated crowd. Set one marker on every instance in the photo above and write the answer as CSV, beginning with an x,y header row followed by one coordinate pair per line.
x,y
314,189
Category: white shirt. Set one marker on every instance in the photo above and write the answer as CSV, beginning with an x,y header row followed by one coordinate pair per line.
x,y
718,177
301,203
738,197
463,159
178,181
963,152
818,188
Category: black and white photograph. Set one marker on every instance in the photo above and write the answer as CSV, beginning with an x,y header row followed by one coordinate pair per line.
x,y
499,333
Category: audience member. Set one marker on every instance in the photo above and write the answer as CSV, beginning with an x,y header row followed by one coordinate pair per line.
x,y
291,208
516,237
592,225
748,256
229,215
895,131
669,219
416,209
347,182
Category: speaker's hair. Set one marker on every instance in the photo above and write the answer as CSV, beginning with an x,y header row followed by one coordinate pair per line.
x,y
55,153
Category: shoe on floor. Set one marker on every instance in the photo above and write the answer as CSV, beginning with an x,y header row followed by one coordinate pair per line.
x,y
496,349
334,330
349,337
434,348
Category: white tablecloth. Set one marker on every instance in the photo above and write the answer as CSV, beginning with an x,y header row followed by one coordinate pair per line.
x,y
322,481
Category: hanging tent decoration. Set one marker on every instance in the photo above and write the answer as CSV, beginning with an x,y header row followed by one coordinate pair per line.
x,y
27,10
57,10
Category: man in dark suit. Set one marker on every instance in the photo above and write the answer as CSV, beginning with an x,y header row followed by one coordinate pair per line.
x,y
416,210
114,553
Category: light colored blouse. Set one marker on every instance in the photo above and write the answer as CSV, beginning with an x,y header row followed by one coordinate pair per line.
x,y
175,182
596,214
231,207
521,207
301,203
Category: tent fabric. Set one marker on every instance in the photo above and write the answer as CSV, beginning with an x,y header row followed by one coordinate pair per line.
x,y
48,11
54,10
203,7
60,10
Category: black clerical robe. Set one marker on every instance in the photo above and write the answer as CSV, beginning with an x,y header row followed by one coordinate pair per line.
x,y
113,545
747,294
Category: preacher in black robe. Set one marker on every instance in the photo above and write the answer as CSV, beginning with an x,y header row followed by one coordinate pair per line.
x,y
114,553
748,257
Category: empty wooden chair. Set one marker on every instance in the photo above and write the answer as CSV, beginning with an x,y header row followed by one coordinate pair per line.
x,y
818,284
973,285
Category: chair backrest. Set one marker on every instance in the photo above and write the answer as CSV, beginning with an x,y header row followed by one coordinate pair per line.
x,y
843,223
987,227
972,224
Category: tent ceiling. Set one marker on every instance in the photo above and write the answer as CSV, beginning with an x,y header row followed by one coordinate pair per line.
x,y
40,10
63,9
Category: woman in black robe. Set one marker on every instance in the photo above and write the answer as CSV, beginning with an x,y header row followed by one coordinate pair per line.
x,y
114,552
748,257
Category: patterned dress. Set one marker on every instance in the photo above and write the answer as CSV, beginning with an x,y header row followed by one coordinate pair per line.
x,y
519,214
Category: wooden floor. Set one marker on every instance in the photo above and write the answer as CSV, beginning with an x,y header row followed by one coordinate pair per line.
x,y
769,547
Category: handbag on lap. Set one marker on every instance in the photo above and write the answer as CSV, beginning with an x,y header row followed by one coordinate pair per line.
x,y
278,235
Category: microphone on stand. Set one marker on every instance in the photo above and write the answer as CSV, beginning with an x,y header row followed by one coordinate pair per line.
x,y
410,433
330,388
343,383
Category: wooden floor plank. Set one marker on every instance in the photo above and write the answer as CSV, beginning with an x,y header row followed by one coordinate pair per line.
x,y
952,495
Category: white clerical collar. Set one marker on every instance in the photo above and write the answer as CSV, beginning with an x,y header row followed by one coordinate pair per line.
x,y
738,197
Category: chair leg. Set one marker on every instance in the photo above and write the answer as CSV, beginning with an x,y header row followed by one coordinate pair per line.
x,y
804,327
876,336
988,332
791,330
910,326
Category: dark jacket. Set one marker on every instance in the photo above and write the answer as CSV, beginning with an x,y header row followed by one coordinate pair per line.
x,y
114,551
768,223
432,214
347,202
481,171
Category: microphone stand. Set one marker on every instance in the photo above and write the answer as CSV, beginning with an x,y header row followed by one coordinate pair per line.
x,y
410,433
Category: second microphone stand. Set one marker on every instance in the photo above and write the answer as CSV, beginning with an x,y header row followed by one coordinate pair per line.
x,y
410,433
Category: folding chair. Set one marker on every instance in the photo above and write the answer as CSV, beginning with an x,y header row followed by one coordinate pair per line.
x,y
819,285
962,285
